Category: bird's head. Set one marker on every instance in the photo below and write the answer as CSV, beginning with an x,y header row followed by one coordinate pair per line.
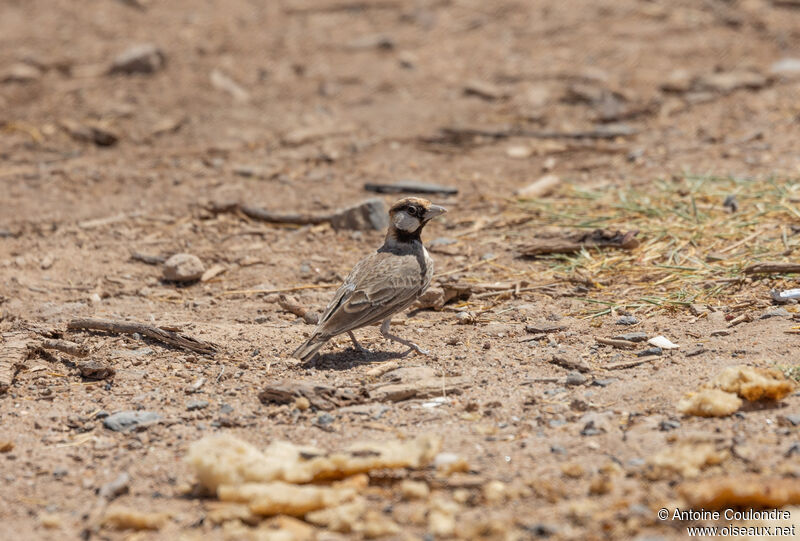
x,y
409,215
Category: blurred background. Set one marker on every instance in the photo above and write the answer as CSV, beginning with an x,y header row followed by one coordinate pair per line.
x,y
155,103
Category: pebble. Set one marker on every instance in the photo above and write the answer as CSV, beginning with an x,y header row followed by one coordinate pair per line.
x,y
786,67
369,214
123,421
324,419
775,312
793,419
115,488
144,58
60,472
650,351
695,351
604,382
225,409
519,152
627,320
558,450
575,378
442,241
95,370
596,423
669,424
632,336
662,342
183,268
20,73
193,405
541,529
222,81
793,450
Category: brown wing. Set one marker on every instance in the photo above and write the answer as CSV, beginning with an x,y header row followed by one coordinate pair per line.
x,y
379,286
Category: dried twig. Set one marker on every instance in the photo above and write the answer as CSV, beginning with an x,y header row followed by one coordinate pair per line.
x,y
570,242
64,346
570,364
14,352
772,268
626,344
279,290
630,364
159,334
294,308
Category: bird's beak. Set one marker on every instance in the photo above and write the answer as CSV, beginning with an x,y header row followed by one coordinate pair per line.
x,y
434,211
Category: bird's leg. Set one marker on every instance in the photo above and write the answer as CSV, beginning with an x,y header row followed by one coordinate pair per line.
x,y
385,332
358,346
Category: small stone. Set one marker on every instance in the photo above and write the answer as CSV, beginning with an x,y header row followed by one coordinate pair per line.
x,y
95,370
222,81
226,409
124,421
302,403
604,382
632,336
698,309
595,423
558,450
20,73
414,490
441,241
775,312
575,378
662,342
627,320
650,351
792,419
540,529
145,58
725,82
324,419
484,89
794,449
370,214
194,405
786,67
695,351
669,424
183,268
115,488
519,152
6,446
60,472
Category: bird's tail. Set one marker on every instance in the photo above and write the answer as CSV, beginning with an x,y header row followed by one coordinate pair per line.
x,y
307,351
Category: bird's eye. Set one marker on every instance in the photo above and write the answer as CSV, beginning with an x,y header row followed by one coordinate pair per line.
x,y
412,211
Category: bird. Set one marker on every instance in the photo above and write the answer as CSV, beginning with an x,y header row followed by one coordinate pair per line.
x,y
382,283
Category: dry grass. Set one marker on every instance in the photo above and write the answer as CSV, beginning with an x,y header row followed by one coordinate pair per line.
x,y
693,247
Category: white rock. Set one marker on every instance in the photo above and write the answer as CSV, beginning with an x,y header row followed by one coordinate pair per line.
x,y
786,67
183,268
662,342
519,152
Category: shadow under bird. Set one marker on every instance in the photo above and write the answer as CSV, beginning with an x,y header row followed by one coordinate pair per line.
x,y
383,283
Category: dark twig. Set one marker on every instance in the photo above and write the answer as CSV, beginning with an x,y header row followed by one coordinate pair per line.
x,y
156,333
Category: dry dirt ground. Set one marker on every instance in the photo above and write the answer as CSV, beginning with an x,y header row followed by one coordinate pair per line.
x,y
292,106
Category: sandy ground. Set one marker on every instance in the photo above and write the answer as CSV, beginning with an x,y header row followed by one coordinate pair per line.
x,y
292,106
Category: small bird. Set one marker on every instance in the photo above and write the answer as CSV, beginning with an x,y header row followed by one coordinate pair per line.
x,y
383,283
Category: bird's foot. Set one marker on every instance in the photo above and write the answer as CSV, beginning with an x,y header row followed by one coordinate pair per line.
x,y
364,351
